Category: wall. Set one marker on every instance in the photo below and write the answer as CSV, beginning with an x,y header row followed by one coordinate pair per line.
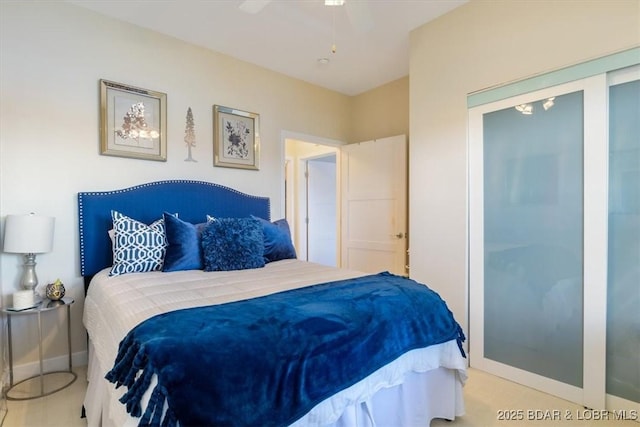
x,y
381,112
52,55
479,45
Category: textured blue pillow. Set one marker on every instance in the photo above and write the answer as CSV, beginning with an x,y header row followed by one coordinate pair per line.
x,y
184,251
277,240
233,244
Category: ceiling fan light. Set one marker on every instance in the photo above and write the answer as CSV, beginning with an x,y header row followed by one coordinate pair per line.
x,y
253,6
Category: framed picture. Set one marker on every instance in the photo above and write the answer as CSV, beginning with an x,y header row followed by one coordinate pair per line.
x,y
236,138
133,122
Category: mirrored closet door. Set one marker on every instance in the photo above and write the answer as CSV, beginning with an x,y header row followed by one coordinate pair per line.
x,y
554,250
623,285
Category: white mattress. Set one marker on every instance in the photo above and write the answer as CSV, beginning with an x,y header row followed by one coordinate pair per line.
x,y
114,305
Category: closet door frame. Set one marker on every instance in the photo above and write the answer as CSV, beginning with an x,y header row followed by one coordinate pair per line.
x,y
595,214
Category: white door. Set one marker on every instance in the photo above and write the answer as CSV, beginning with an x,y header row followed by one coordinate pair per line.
x,y
374,205
321,210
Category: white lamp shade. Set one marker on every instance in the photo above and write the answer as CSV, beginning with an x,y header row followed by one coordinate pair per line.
x,y
28,234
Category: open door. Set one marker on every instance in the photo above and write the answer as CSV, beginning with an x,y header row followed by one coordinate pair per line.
x,y
374,205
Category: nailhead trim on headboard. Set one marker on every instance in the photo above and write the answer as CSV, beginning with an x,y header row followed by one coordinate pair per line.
x,y
191,199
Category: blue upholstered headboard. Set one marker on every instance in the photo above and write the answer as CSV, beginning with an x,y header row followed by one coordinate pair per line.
x,y
192,200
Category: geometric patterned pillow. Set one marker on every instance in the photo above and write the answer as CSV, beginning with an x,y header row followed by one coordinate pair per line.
x,y
137,247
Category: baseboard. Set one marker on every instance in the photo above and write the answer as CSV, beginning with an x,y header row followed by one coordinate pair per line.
x,y
60,363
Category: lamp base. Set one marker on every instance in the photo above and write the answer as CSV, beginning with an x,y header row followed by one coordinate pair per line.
x,y
29,278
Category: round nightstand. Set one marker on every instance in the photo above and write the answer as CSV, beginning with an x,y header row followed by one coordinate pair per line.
x,y
68,376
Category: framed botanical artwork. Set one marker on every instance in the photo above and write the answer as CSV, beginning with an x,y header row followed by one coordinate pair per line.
x,y
133,122
236,138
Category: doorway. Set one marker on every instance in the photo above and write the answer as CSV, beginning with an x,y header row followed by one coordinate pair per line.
x,y
311,200
369,204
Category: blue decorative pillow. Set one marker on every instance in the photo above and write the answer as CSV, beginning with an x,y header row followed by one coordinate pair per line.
x,y
233,244
137,247
184,251
277,240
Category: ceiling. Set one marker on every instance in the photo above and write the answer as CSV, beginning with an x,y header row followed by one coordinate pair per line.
x,y
291,37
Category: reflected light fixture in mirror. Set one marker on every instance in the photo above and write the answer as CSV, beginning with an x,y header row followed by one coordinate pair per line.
x,y
548,103
526,109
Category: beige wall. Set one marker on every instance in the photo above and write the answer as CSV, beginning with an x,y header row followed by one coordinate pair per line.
x,y
482,44
381,112
52,55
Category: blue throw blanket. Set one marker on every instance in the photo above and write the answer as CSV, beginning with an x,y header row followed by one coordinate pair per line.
x,y
269,360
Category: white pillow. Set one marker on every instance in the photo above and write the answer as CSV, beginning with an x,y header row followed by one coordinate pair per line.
x,y
137,247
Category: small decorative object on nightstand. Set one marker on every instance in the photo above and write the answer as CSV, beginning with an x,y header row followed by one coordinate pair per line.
x,y
55,290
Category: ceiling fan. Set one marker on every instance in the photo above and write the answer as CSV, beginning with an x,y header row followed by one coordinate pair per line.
x,y
358,12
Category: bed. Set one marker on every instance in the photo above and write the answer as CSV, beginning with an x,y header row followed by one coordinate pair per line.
x,y
410,388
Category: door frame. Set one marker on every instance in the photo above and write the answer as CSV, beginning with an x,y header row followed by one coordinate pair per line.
x,y
285,136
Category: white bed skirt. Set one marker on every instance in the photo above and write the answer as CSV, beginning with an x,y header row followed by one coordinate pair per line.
x,y
419,398
422,397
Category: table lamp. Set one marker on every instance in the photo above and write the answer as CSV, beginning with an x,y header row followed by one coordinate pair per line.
x,y
29,234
